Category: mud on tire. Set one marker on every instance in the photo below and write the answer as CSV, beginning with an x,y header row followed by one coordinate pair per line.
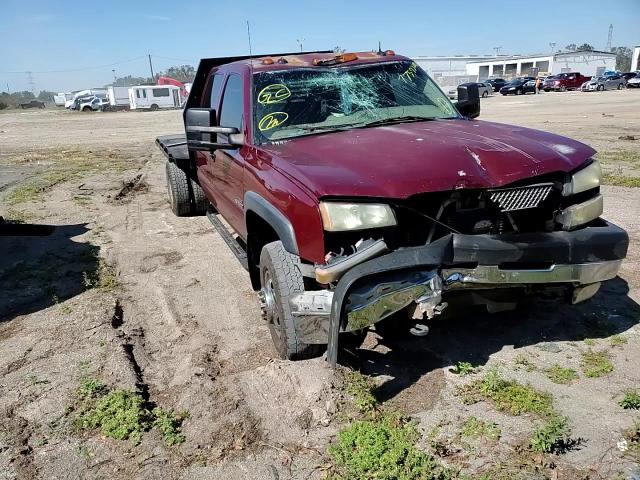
x,y
178,190
281,279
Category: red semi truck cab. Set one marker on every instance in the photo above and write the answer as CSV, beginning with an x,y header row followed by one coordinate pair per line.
x,y
356,194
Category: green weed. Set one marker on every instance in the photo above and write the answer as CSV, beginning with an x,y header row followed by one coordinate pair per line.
x,y
562,375
463,369
617,340
170,423
104,277
596,364
630,401
522,361
120,414
511,396
476,428
383,449
360,387
552,436
589,342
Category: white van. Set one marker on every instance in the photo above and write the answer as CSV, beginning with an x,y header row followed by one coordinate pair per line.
x,y
153,97
117,98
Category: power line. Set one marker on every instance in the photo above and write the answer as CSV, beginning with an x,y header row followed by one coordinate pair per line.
x,y
94,67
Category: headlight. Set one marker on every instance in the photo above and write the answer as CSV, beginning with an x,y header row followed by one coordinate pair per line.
x,y
583,180
512,88
340,216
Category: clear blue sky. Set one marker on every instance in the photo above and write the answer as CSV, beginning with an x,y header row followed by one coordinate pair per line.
x,y
45,35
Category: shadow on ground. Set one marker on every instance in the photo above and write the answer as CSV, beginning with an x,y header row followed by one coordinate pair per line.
x,y
475,335
41,265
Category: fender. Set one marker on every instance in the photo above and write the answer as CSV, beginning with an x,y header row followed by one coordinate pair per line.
x,y
274,217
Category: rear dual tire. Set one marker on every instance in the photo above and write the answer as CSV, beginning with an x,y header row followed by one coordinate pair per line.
x,y
185,195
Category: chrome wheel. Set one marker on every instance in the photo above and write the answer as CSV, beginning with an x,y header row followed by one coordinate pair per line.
x,y
268,300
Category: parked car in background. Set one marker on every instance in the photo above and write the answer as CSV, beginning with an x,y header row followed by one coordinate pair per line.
x,y
629,75
497,83
484,90
565,81
634,82
517,86
604,83
32,104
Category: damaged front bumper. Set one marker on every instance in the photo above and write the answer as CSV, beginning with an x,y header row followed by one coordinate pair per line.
x,y
381,286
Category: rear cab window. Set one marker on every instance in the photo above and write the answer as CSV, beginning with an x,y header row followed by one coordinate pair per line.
x,y
231,110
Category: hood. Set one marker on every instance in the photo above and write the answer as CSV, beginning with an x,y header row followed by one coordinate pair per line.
x,y
398,161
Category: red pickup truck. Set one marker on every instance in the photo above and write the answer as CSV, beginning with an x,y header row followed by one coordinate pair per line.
x,y
564,81
357,194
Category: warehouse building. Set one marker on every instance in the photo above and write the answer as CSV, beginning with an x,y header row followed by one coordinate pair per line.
x,y
449,70
587,63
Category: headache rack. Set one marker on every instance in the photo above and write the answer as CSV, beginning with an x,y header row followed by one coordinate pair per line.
x,y
206,64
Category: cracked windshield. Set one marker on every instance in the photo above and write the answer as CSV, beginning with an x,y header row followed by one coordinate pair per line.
x,y
293,103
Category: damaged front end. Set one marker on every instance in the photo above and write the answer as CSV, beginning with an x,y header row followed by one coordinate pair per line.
x,y
487,246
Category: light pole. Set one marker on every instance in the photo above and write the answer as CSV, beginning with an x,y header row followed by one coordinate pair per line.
x,y
300,42
114,76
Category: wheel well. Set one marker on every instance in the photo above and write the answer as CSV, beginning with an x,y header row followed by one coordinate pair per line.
x,y
259,233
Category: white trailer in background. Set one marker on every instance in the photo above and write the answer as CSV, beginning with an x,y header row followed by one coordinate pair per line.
x,y
118,98
154,97
62,98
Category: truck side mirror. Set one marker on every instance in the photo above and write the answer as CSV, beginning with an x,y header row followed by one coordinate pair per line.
x,y
468,100
202,131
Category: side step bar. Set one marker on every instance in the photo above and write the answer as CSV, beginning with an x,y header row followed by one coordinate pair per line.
x,y
228,238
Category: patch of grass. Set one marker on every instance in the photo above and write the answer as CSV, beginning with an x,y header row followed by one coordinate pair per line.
x,y
64,165
617,340
617,156
119,414
13,215
383,449
104,277
360,387
81,200
620,180
170,423
122,414
630,401
596,363
463,369
476,428
553,436
562,375
589,342
522,361
508,395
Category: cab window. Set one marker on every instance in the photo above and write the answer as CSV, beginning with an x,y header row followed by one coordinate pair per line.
x,y
232,103
216,88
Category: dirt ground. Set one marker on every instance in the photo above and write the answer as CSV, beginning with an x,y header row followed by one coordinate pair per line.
x,y
112,286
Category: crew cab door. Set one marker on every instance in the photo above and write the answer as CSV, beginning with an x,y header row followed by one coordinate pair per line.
x,y
224,170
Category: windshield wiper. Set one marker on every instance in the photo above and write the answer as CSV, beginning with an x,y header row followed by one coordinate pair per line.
x,y
399,119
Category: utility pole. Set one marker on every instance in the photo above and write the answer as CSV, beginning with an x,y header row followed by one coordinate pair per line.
x,y
114,76
553,47
153,77
8,89
32,84
610,37
497,50
300,42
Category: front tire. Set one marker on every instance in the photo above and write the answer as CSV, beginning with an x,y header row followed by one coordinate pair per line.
x,y
153,107
485,94
178,190
563,89
281,279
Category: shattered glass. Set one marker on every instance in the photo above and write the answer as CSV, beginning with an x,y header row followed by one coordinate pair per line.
x,y
296,102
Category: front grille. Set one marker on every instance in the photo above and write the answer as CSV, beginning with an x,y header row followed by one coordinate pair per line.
x,y
520,198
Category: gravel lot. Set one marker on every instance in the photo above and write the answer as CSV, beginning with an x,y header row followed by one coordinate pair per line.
x,y
126,293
